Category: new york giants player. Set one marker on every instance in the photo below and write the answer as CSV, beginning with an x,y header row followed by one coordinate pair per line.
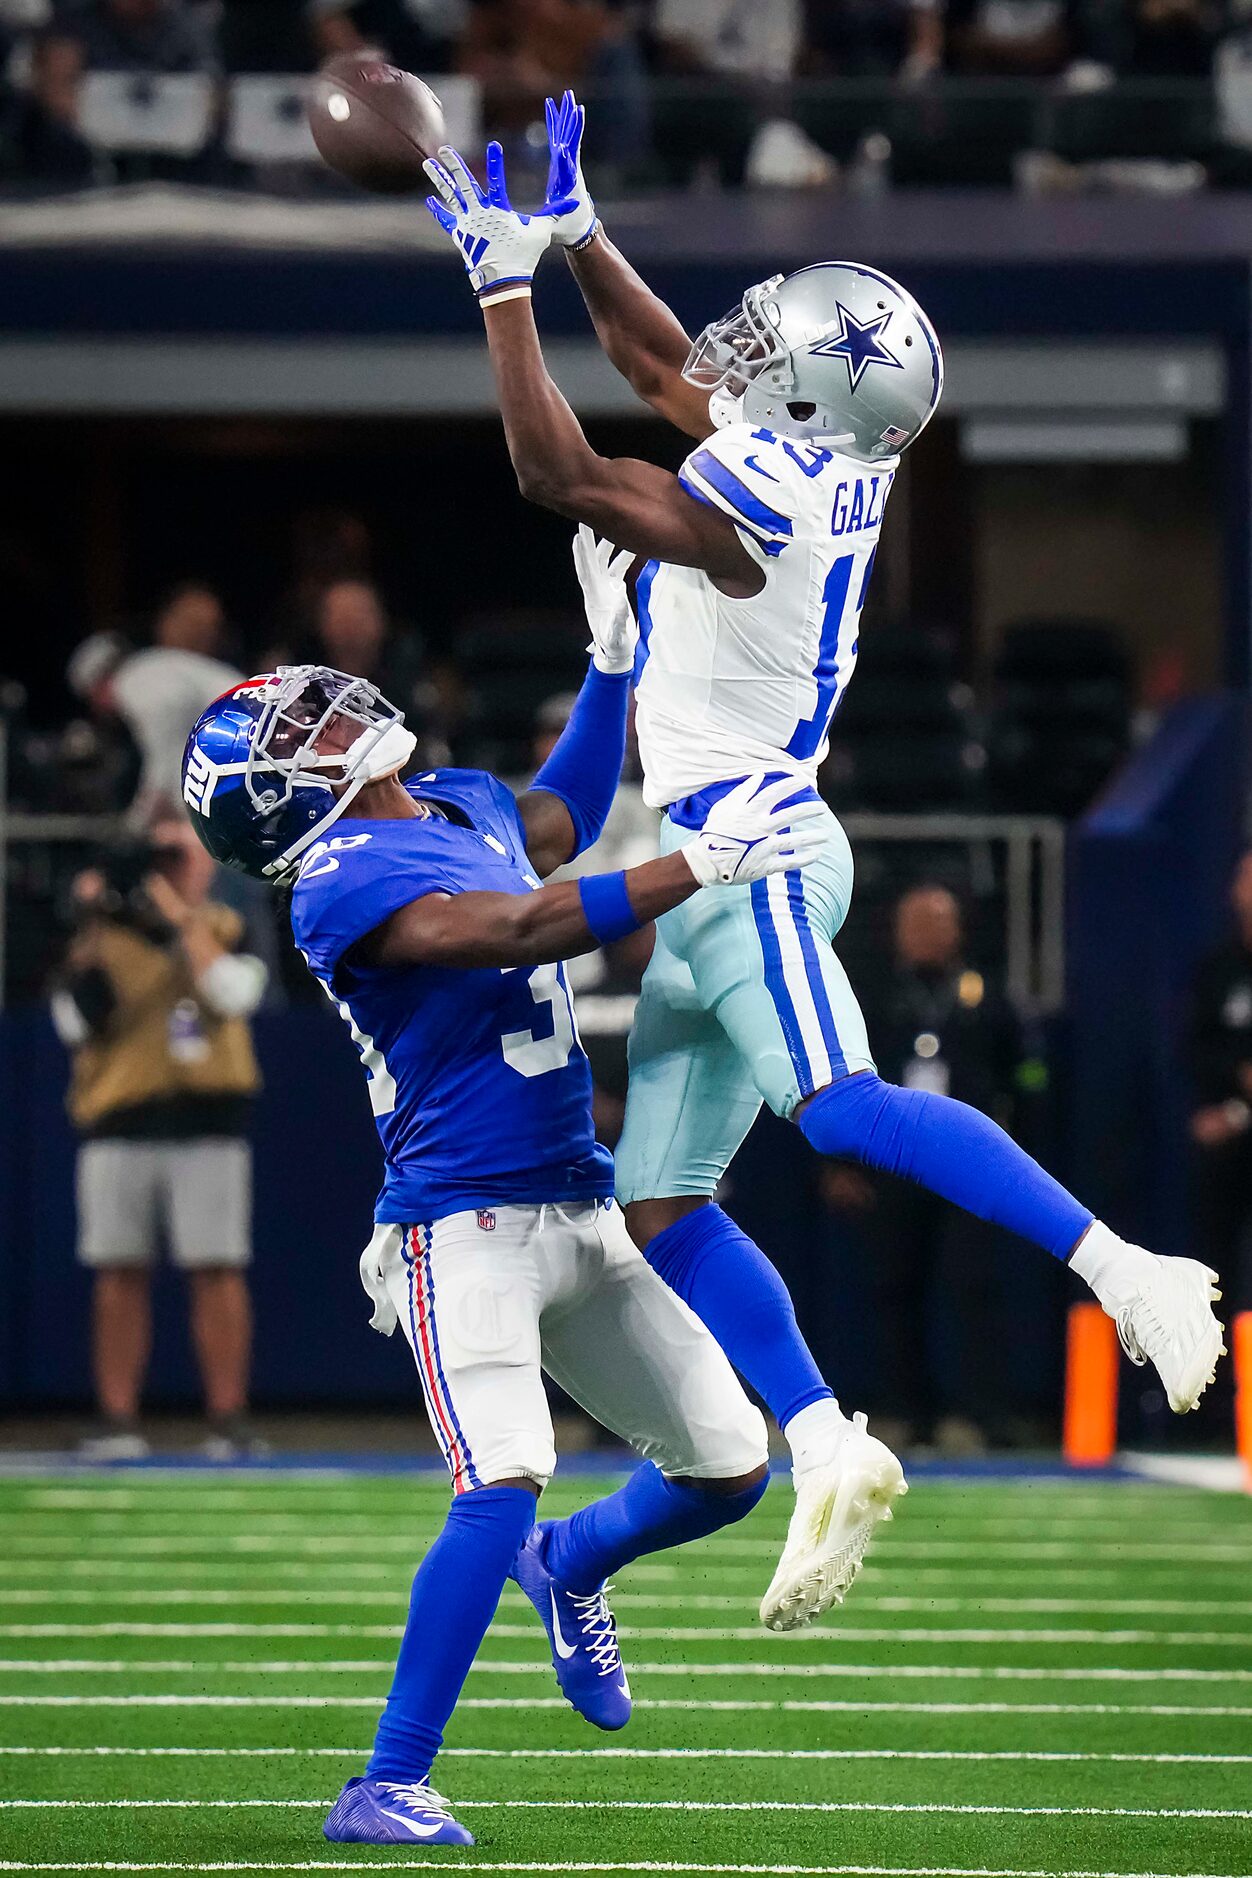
x,y
498,1247
758,557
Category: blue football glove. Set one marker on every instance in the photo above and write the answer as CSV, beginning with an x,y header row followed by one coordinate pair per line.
x,y
576,222
501,247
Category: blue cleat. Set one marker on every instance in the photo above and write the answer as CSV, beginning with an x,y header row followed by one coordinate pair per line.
x,y
391,1812
583,1635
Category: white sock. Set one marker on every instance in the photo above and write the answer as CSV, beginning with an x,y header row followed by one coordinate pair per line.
x,y
815,1433
1111,1266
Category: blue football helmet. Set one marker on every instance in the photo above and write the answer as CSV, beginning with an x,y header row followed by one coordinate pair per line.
x,y
257,784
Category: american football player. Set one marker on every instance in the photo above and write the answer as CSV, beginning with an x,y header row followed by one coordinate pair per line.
x,y
759,555
497,1247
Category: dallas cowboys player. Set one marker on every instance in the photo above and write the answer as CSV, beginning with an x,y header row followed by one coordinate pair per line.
x,y
759,555
498,1246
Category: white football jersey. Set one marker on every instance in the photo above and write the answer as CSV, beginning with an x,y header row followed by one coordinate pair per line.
x,y
730,686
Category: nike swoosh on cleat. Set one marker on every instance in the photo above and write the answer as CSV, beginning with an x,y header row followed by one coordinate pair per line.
x,y
415,1826
624,1688
564,1650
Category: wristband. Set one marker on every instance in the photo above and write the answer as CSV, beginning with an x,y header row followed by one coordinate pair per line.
x,y
585,241
496,291
606,907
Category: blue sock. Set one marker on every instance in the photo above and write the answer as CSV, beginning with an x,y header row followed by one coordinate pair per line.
x,y
454,1599
953,1150
648,1514
732,1287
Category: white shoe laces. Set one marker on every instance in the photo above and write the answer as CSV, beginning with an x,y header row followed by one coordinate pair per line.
x,y
599,1629
417,1793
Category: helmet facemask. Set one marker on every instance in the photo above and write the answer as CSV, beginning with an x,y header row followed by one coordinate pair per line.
x,y
285,754
737,351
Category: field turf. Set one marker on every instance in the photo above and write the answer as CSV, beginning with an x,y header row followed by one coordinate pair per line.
x,y
1031,1677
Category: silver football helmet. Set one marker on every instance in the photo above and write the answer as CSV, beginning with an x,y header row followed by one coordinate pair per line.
x,y
835,350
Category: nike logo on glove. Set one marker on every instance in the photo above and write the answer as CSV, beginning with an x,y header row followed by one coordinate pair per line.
x,y
564,1650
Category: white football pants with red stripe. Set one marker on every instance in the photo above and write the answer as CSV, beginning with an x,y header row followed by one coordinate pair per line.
x,y
489,1299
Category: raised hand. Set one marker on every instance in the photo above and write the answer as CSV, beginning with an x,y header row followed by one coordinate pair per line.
x,y
601,570
577,222
500,245
758,828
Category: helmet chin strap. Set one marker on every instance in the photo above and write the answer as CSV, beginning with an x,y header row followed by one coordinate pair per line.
x,y
387,758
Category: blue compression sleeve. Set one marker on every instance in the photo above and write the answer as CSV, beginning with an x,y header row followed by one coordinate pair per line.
x,y
455,1593
952,1149
732,1287
648,1514
586,765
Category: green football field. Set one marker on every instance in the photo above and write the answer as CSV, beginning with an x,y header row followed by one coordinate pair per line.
x,y
1030,1677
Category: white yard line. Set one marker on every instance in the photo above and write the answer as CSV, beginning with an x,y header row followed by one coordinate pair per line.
x,y
649,1754
792,1705
867,1672
892,1807
622,1600
370,1542
829,1635
581,1865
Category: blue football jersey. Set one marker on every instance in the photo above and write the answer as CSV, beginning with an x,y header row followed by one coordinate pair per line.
x,y
477,1078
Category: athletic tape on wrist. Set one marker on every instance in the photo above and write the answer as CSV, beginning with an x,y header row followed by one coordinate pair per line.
x,y
606,907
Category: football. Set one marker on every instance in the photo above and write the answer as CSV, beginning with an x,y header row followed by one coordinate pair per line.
x,y
374,123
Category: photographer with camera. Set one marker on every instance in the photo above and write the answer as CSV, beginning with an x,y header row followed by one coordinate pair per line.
x,y
152,1002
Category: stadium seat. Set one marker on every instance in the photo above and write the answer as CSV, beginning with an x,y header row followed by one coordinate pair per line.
x,y
904,735
509,666
151,114
1060,716
265,119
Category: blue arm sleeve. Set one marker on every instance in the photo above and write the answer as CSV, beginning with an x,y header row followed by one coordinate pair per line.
x,y
586,765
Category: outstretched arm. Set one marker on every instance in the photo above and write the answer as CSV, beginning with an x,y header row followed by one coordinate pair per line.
x,y
760,828
641,337
635,504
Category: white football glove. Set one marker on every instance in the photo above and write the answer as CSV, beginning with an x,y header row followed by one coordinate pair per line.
x,y
500,246
577,222
750,833
601,570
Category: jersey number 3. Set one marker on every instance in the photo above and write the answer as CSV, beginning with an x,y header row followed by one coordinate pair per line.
x,y
532,1055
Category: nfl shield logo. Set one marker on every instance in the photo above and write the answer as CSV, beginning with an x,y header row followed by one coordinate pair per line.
x,y
486,1222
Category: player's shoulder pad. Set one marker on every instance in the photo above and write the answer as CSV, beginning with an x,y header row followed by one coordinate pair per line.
x,y
763,482
489,803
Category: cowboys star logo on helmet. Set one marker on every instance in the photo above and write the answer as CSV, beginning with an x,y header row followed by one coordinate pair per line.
x,y
860,346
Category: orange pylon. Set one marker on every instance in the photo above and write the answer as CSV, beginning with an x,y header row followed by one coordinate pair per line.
x,y
1090,1433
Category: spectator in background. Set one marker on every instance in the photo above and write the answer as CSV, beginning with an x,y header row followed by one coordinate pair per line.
x,y
352,632
522,51
153,1003
1012,38
138,35
1166,39
42,142
938,1025
160,691
294,35
1221,1123
728,38
730,48
873,38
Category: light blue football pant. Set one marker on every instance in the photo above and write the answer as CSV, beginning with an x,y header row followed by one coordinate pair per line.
x,y
744,1002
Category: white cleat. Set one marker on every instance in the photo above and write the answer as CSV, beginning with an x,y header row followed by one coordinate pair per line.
x,y
838,1508
1168,1320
